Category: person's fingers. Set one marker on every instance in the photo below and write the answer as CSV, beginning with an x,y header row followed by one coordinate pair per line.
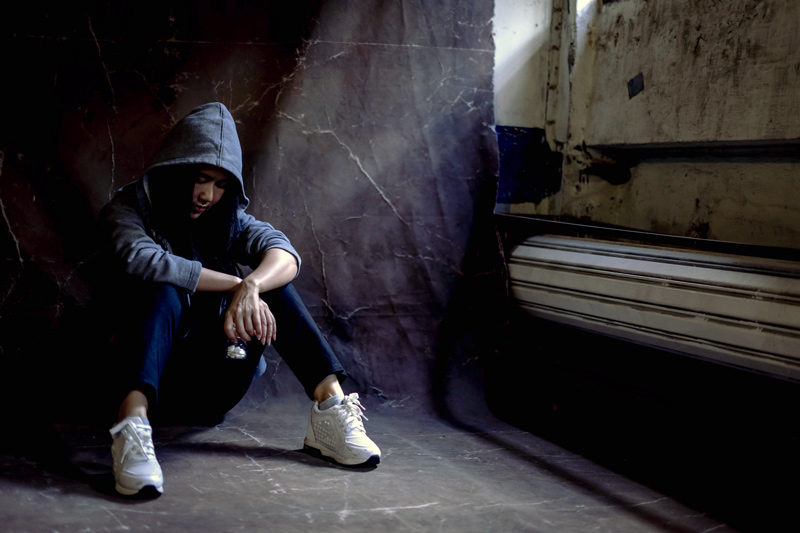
x,y
247,324
261,327
258,325
229,327
269,322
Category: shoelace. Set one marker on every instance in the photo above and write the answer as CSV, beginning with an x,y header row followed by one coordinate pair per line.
x,y
352,413
142,436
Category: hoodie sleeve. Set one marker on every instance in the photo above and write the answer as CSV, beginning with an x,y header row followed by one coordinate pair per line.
x,y
138,254
258,237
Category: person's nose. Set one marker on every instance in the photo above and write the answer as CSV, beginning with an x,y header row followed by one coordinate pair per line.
x,y
207,193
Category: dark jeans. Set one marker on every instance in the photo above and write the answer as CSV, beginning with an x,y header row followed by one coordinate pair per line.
x,y
173,349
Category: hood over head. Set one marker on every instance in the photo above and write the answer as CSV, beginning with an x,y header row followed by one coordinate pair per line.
x,y
206,136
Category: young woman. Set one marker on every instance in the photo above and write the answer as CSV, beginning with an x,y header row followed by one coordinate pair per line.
x,y
178,235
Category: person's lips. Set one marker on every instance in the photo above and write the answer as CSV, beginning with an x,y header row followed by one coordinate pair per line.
x,y
197,209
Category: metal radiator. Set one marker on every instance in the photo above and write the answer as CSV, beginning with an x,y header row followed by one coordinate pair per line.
x,y
737,310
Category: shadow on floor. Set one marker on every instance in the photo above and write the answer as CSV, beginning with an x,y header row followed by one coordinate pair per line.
x,y
720,440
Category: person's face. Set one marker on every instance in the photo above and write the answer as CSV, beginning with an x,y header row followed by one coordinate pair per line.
x,y
209,186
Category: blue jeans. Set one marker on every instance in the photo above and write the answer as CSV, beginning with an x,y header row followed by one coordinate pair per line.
x,y
173,349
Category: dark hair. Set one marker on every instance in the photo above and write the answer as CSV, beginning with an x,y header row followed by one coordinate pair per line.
x,y
208,239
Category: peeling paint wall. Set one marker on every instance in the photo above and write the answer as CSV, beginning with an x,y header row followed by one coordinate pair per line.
x,y
712,71
682,118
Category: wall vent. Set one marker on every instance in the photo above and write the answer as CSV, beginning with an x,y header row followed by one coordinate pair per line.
x,y
737,310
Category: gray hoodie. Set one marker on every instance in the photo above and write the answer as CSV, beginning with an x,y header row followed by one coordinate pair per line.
x,y
207,136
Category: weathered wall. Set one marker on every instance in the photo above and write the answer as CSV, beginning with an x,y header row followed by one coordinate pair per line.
x,y
695,101
366,132
522,36
712,71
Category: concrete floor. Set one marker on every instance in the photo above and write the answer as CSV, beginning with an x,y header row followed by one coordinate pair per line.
x,y
250,474
630,441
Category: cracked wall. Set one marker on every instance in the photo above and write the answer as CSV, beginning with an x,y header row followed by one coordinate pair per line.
x,y
367,137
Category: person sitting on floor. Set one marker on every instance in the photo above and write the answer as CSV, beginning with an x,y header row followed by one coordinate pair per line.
x,y
178,236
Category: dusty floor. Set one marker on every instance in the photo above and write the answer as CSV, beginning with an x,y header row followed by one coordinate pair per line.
x,y
627,441
250,474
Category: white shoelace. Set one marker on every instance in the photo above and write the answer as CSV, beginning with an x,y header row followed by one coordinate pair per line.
x,y
352,413
139,439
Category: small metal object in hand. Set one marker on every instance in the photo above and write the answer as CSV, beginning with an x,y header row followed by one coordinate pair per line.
x,y
236,350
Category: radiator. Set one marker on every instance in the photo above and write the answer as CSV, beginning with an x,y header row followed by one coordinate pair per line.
x,y
737,310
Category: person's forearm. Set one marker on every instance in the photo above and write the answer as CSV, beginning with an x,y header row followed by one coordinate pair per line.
x,y
213,281
277,268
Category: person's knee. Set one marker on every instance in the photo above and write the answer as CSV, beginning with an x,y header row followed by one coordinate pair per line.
x,y
283,297
164,301
168,296
287,290
167,291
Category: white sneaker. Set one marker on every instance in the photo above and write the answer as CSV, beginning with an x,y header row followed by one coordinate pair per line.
x,y
338,432
135,464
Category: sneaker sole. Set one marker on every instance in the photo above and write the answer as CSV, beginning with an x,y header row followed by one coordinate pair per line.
x,y
148,491
320,452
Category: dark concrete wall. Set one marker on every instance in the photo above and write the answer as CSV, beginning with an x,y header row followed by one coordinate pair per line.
x,y
366,128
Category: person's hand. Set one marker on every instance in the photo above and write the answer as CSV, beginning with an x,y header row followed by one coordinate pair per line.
x,y
248,316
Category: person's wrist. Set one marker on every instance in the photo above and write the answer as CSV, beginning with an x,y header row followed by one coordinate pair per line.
x,y
237,282
249,284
